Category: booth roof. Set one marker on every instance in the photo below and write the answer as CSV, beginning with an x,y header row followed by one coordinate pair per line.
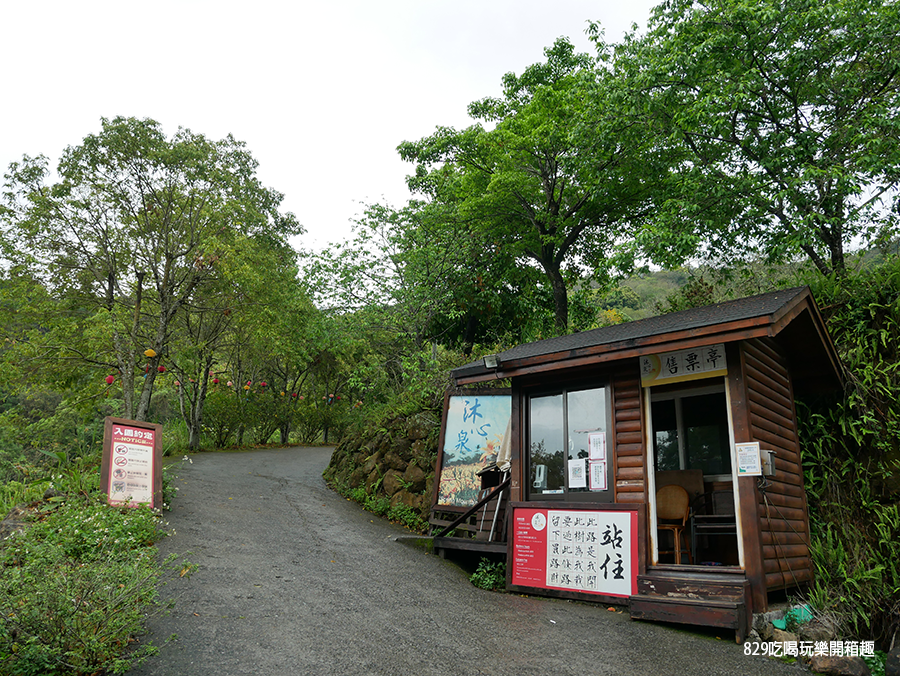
x,y
772,305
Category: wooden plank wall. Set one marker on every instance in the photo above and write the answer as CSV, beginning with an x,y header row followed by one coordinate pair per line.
x,y
784,517
628,435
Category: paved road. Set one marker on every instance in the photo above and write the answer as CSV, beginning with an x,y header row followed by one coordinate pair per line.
x,y
294,579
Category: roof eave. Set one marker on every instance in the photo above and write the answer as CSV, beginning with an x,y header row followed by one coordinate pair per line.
x,y
764,325
710,335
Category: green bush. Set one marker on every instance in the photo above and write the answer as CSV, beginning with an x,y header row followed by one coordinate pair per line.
x,y
75,587
308,422
408,517
77,583
84,532
850,458
14,493
876,663
356,494
169,489
379,506
489,575
65,615
222,415
175,437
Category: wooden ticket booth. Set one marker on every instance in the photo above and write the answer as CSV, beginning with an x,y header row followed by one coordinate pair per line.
x,y
673,437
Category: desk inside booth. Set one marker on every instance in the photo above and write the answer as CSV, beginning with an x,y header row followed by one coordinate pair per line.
x,y
714,528
711,530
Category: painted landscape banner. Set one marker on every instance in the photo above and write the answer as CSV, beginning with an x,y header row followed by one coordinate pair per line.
x,y
474,430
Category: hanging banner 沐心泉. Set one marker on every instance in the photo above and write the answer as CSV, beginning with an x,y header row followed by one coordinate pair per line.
x,y
474,429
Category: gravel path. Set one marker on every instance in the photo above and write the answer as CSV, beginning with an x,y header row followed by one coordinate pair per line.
x,y
294,579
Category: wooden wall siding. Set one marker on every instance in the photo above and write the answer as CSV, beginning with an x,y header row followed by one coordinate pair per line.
x,y
628,436
517,459
748,493
784,522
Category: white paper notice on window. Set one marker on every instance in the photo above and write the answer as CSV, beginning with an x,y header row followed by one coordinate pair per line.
x,y
577,473
598,476
597,446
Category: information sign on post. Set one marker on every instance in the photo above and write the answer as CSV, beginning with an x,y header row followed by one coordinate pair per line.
x,y
576,551
131,472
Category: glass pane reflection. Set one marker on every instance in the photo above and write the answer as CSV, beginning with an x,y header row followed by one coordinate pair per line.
x,y
586,414
546,434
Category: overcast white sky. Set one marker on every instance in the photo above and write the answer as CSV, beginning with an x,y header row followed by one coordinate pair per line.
x,y
322,93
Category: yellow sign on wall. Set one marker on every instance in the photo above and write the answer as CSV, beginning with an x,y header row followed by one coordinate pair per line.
x,y
681,365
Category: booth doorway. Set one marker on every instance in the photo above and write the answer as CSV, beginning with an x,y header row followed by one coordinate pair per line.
x,y
692,497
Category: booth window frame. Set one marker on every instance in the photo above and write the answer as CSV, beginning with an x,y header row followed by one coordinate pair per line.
x,y
587,495
677,393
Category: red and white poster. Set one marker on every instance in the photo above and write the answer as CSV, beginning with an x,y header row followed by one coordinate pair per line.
x,y
131,464
587,551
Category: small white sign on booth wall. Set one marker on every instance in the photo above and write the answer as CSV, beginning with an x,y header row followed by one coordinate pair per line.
x,y
748,459
598,476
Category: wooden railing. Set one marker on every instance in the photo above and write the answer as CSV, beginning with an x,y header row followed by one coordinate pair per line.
x,y
465,516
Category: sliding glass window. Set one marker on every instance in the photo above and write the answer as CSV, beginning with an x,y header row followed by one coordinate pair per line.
x,y
567,445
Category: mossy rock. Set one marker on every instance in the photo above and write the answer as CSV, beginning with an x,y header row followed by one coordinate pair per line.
x,y
394,461
393,482
414,478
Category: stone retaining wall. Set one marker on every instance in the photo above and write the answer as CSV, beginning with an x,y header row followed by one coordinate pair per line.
x,y
397,462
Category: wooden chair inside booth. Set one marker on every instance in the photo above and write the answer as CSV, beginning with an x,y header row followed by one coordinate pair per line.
x,y
673,509
690,480
712,514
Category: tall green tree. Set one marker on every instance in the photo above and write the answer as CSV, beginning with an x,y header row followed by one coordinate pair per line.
x,y
786,115
133,230
552,171
254,307
418,275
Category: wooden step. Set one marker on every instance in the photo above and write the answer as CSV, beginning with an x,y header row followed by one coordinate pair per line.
x,y
694,595
694,585
443,544
702,612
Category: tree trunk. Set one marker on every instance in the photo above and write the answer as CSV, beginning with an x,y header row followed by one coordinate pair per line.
x,y
469,335
560,300
194,437
836,246
550,263
143,408
195,424
190,414
125,362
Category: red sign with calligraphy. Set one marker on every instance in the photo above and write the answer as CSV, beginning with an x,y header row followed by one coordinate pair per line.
x,y
573,549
